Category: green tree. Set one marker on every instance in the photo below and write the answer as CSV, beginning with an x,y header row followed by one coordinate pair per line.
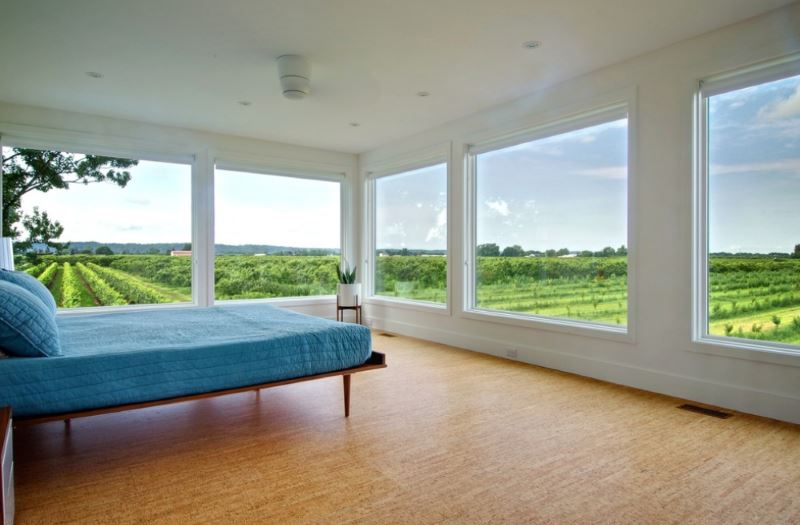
x,y
27,170
563,251
796,253
622,250
103,250
41,231
513,251
488,250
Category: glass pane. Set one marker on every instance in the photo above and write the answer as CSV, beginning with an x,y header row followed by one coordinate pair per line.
x,y
411,235
275,236
100,231
754,212
552,226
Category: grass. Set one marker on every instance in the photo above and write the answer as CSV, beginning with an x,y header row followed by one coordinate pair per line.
x,y
748,295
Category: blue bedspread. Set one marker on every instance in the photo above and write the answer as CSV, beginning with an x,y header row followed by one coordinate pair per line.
x,y
117,358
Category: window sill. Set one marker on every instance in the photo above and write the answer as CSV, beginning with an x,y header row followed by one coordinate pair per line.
x,y
310,300
276,301
68,312
579,328
422,306
736,348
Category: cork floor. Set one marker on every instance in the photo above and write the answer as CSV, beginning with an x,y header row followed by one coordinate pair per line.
x,y
441,436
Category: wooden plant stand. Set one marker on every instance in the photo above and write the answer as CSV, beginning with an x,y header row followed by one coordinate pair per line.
x,y
340,310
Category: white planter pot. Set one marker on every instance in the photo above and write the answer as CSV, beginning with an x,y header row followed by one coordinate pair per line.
x,y
348,294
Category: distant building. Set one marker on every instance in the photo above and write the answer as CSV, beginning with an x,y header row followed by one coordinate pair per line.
x,y
180,253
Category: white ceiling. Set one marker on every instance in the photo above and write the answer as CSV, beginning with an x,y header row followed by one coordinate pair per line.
x,y
187,62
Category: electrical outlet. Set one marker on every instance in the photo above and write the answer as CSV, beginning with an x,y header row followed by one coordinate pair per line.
x,y
512,353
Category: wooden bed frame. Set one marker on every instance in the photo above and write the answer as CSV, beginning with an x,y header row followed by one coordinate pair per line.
x,y
376,360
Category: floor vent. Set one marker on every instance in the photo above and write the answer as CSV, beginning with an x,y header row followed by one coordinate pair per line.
x,y
705,411
384,334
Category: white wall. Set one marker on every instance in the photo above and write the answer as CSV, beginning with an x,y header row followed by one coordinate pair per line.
x,y
41,127
663,357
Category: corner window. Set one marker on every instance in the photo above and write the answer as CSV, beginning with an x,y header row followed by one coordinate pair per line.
x,y
97,230
749,209
410,241
275,236
550,224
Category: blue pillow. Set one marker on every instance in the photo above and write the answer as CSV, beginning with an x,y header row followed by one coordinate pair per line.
x,y
31,284
27,328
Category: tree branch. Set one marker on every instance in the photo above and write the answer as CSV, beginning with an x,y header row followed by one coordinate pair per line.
x,y
11,157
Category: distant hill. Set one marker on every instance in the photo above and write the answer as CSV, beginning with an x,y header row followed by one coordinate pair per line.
x,y
222,249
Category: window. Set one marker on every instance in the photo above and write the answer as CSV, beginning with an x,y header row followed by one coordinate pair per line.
x,y
749,252
100,231
275,236
411,235
550,224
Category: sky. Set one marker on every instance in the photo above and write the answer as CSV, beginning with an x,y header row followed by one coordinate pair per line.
x,y
252,208
566,191
754,166
155,207
411,209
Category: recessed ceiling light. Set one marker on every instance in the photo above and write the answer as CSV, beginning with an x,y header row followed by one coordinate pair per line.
x,y
531,44
245,103
94,74
423,94
354,124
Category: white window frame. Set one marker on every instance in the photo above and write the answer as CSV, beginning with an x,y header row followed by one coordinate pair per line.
x,y
623,108
202,160
780,353
83,144
439,154
260,166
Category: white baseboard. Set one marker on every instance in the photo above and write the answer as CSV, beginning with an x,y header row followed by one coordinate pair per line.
x,y
734,397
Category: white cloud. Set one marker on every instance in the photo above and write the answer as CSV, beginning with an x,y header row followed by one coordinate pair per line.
x,y
438,231
139,202
395,229
782,109
606,172
545,148
499,206
777,165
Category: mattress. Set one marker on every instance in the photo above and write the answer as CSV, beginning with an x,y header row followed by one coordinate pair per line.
x,y
117,358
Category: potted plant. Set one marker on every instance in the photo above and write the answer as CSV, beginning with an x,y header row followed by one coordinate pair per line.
x,y
348,291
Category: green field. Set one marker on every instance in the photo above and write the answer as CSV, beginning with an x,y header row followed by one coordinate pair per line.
x,y
751,297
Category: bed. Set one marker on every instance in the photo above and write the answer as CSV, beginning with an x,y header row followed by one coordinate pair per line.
x,y
119,361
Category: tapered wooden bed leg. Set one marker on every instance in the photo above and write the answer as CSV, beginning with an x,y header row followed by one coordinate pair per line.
x,y
346,379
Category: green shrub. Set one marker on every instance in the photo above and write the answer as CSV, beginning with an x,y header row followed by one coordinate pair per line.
x,y
46,277
104,293
71,287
